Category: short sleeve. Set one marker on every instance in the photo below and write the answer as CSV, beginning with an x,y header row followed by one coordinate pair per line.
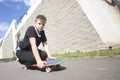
x,y
30,32
25,44
44,39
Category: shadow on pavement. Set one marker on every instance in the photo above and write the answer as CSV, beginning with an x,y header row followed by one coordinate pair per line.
x,y
61,68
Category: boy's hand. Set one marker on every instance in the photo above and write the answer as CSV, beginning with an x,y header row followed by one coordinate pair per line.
x,y
41,64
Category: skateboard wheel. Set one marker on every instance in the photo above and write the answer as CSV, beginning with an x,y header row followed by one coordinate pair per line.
x,y
48,69
17,59
25,68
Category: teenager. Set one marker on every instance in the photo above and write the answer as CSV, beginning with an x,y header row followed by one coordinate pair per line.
x,y
28,52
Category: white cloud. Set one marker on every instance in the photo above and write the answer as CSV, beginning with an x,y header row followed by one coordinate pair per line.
x,y
3,29
1,0
4,26
26,2
29,2
0,39
16,0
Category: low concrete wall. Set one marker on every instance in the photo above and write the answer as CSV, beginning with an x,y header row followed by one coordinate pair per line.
x,y
8,46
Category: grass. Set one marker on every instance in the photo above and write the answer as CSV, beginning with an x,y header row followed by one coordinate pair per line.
x,y
91,54
7,59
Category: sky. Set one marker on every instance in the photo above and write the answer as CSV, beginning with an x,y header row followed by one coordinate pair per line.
x,y
9,10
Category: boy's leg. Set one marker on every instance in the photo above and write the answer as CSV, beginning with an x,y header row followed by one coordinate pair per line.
x,y
43,55
26,57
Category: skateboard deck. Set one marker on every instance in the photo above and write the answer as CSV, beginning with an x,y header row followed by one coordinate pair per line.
x,y
49,65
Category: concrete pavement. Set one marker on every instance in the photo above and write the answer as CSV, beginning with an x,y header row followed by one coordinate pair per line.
x,y
76,69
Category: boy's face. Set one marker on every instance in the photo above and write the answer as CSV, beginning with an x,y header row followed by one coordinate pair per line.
x,y
39,24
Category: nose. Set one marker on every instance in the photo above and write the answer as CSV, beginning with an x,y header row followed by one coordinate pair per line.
x,y
40,25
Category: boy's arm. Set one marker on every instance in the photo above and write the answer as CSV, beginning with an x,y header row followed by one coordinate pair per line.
x,y
40,63
45,45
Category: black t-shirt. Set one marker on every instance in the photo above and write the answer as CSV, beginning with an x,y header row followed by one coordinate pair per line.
x,y
31,32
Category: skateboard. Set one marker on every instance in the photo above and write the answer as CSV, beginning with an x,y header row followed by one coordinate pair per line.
x,y
51,64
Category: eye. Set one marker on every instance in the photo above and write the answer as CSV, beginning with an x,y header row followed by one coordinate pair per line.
x,y
40,23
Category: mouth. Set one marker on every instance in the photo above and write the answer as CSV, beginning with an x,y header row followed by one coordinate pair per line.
x,y
40,29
